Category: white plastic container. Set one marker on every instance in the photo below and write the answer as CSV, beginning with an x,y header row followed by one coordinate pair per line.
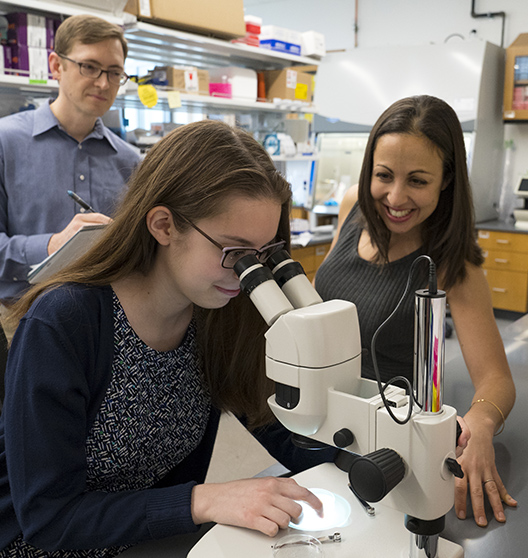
x,y
313,44
243,81
280,39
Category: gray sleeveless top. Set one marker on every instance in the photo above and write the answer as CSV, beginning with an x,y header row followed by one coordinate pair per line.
x,y
375,290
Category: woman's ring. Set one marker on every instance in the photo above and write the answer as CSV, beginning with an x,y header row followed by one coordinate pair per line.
x,y
489,480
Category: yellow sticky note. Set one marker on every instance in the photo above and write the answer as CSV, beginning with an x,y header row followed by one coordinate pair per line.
x,y
301,91
148,95
174,99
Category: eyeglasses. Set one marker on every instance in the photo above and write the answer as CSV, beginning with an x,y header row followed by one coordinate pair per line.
x,y
231,254
116,77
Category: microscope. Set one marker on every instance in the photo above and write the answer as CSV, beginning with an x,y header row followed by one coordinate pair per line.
x,y
398,448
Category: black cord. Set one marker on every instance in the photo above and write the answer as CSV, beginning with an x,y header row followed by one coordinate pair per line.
x,y
432,287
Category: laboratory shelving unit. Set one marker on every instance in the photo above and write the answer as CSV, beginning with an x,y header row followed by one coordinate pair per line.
x,y
158,45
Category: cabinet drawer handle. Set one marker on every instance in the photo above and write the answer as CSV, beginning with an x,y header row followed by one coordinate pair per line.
x,y
501,260
320,251
497,290
502,241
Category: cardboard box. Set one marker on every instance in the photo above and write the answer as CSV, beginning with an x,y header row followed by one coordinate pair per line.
x,y
224,19
290,84
185,79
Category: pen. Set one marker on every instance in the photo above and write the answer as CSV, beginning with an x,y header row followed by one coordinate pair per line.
x,y
81,202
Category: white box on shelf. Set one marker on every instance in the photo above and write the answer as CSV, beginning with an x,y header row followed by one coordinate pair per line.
x,y
280,39
243,81
313,44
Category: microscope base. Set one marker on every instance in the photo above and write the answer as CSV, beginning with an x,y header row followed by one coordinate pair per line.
x,y
381,536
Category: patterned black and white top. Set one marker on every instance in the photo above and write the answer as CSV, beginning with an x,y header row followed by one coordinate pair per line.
x,y
154,414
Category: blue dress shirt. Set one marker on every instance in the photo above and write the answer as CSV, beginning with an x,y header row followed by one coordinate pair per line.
x,y
39,162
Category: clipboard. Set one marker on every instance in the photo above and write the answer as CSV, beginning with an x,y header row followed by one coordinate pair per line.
x,y
78,244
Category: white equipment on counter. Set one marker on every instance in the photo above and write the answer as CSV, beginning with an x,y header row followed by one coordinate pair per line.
x,y
521,215
397,449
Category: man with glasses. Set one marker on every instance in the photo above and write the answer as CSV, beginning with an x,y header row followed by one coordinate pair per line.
x,y
61,146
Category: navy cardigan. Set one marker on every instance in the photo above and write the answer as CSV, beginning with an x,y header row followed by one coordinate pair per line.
x,y
58,370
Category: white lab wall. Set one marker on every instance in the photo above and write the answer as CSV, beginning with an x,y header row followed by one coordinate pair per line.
x,y
405,22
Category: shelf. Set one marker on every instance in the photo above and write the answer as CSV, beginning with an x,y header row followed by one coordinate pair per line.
x,y
285,158
165,46
158,45
64,8
24,84
130,98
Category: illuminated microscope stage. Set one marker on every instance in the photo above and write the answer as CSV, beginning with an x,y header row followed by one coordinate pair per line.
x,y
381,536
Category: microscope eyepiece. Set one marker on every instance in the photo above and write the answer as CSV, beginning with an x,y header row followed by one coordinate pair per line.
x,y
275,259
291,278
283,267
251,273
245,263
258,283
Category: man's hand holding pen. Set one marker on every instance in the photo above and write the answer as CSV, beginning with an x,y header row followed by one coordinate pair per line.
x,y
80,220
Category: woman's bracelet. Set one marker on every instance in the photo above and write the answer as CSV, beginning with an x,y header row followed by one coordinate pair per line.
x,y
496,407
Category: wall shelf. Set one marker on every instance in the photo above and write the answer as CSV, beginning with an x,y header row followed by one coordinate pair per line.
x,y
158,45
162,45
63,8
130,98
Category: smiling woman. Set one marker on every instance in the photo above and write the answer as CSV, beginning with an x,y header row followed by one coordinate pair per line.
x,y
414,198
407,180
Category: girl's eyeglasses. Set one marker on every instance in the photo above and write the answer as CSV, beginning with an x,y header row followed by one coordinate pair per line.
x,y
231,254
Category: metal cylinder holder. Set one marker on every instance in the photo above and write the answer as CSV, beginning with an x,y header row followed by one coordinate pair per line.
x,y
429,345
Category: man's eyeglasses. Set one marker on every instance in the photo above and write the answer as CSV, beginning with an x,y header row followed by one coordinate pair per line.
x,y
231,254
116,77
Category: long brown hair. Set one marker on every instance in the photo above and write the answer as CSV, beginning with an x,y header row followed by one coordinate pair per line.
x,y
193,172
449,233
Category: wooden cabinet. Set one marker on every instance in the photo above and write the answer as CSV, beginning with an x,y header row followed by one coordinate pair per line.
x,y
516,80
506,268
311,257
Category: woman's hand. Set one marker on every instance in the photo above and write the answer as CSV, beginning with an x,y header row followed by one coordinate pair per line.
x,y
481,478
264,504
464,437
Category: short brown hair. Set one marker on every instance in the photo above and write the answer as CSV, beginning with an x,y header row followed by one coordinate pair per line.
x,y
87,30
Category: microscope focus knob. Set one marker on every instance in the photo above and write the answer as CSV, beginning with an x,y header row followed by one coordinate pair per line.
x,y
343,438
374,475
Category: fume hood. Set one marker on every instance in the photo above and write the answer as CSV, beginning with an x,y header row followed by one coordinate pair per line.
x,y
354,88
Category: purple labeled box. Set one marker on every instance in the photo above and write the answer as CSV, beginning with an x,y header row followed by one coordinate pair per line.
x,y
30,30
29,61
